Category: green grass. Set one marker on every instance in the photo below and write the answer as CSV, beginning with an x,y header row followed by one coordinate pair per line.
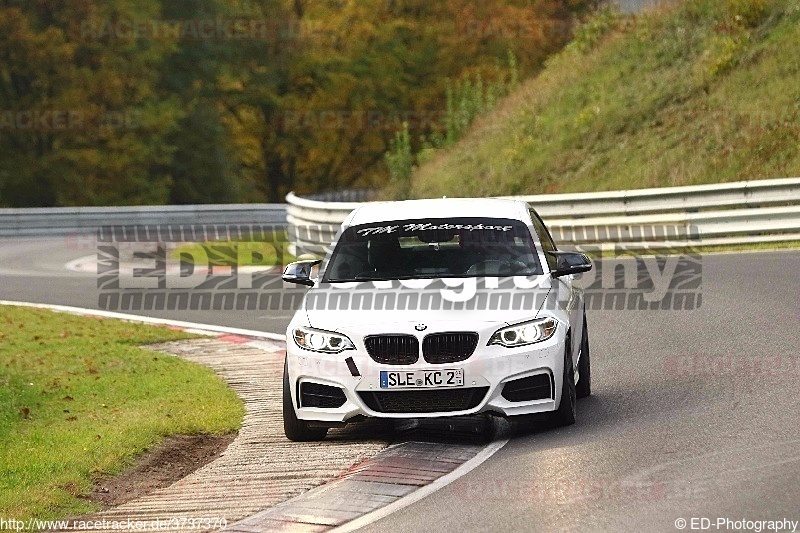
x,y
705,92
80,400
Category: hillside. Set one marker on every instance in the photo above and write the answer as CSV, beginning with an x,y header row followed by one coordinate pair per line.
x,y
706,91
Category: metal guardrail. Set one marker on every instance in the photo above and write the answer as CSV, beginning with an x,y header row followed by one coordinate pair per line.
x,y
345,195
730,213
57,221
741,194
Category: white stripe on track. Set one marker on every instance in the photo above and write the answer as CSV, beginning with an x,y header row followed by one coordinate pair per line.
x,y
423,492
194,327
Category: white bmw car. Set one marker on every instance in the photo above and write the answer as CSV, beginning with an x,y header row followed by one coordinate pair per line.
x,y
436,308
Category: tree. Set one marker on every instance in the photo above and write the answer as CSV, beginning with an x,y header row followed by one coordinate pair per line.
x,y
109,146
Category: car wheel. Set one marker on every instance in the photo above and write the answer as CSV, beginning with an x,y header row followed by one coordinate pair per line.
x,y
565,414
584,386
294,428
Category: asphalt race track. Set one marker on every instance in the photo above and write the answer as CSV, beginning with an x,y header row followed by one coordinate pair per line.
x,y
695,413
32,270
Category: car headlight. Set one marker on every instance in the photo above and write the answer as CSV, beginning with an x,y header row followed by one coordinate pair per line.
x,y
525,333
318,340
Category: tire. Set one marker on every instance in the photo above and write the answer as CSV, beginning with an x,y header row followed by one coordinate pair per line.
x,y
584,387
565,414
295,429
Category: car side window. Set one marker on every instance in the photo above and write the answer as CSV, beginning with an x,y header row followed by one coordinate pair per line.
x,y
544,238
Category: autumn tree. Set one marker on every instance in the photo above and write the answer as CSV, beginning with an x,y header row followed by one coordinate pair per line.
x,y
119,102
53,61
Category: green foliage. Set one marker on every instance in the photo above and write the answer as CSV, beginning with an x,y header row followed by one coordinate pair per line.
x,y
465,100
720,56
226,119
114,149
513,68
702,92
79,400
747,13
469,98
589,33
400,161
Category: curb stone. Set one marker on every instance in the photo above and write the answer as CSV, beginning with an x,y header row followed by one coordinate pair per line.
x,y
260,468
373,488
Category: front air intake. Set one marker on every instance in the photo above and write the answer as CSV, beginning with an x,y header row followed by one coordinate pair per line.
x,y
440,348
538,387
319,395
393,349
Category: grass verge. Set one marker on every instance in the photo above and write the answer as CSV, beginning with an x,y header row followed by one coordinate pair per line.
x,y
79,400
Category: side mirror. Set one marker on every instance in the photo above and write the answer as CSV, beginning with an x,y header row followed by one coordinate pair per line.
x,y
300,272
570,263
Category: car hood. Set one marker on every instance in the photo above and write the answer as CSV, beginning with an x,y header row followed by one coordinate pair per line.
x,y
337,308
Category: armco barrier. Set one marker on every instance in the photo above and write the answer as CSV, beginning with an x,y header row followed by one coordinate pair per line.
x,y
70,220
730,213
742,194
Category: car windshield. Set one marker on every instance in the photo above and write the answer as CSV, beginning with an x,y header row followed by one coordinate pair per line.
x,y
434,248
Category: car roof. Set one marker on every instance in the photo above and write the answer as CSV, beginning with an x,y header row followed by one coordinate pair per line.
x,y
439,208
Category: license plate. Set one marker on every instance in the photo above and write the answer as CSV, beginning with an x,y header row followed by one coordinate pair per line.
x,y
452,377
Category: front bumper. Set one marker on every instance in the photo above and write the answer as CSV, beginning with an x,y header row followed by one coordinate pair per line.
x,y
488,369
